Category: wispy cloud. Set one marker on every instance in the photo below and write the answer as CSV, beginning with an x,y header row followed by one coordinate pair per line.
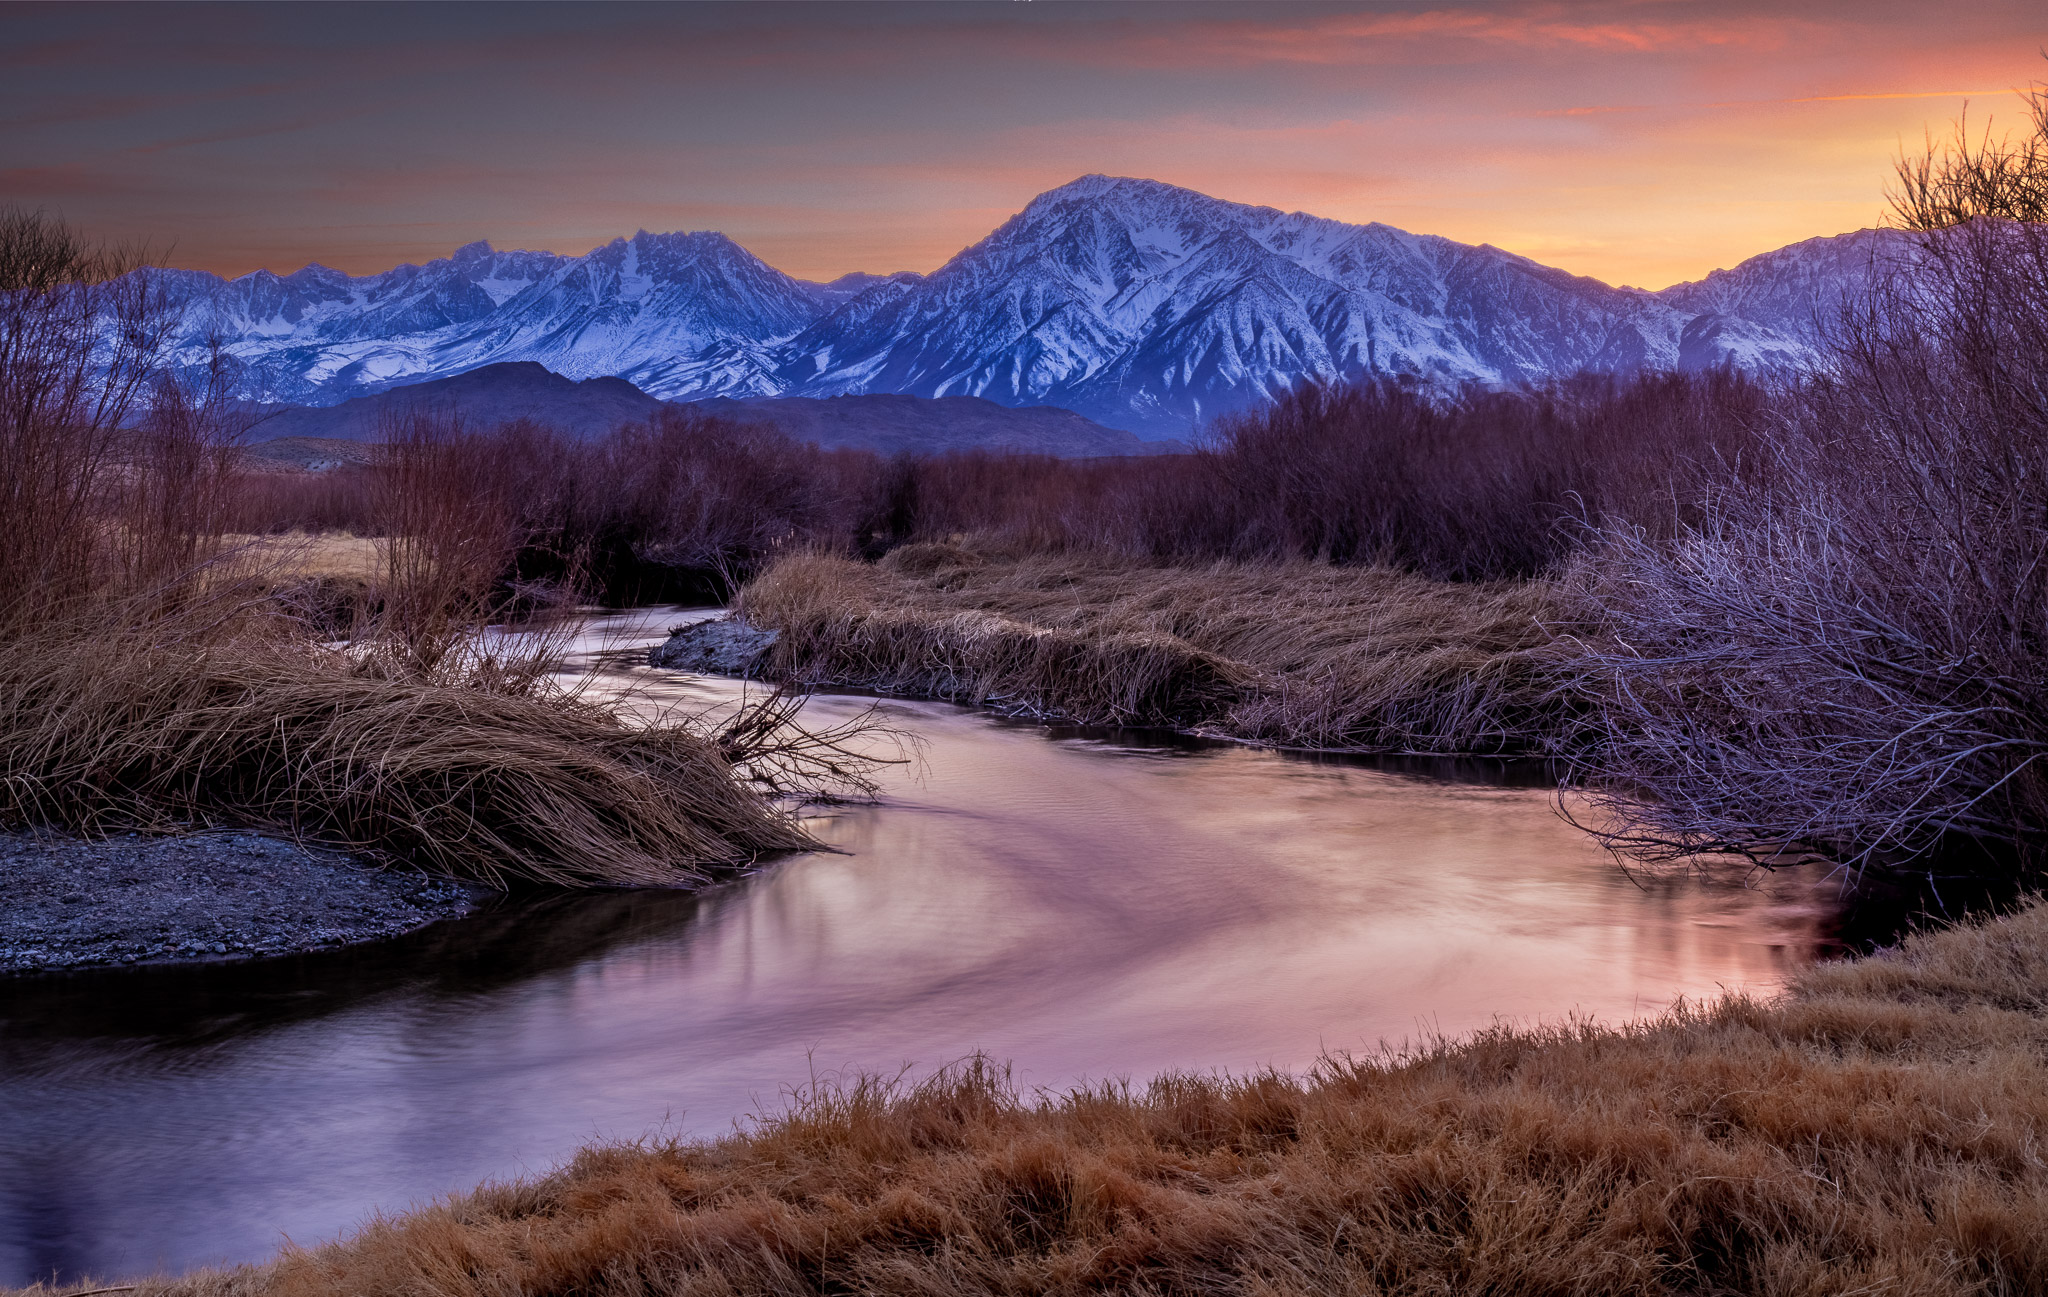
x,y
1639,140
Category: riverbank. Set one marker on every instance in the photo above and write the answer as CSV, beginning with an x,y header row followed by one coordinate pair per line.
x,y
1293,654
1877,1128
78,903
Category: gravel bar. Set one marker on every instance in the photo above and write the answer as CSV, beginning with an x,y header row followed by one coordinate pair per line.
x,y
72,902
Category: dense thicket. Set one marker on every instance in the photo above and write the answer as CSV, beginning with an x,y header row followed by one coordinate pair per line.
x,y
1474,486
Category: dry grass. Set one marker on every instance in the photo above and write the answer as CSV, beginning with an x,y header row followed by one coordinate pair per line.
x,y
108,722
302,556
1297,653
1878,1130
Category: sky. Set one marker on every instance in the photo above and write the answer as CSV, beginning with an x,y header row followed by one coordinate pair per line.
x,y
1642,143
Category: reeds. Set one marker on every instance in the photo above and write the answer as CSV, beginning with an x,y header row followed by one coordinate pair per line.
x,y
1878,1130
1299,654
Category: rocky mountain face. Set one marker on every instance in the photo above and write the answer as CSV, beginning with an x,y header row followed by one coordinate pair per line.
x,y
1140,305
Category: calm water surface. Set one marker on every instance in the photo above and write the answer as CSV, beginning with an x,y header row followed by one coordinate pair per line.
x,y
1085,906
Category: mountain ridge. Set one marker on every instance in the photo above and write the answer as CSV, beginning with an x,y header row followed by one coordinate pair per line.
x,y
1141,305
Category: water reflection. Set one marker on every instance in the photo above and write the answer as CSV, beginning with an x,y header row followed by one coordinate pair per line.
x,y
1084,904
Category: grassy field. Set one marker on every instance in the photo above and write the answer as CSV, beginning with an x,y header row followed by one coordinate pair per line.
x,y
1298,654
1878,1129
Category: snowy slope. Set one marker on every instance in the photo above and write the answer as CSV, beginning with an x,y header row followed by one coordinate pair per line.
x,y
634,308
1148,306
1770,311
1139,304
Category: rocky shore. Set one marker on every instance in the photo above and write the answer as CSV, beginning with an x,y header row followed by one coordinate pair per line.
x,y
135,899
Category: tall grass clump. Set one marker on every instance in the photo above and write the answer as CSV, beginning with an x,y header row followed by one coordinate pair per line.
x,y
1847,655
1878,1130
1298,653
108,723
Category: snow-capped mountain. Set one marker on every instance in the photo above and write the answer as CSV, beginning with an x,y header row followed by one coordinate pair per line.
x,y
1141,305
1133,301
1772,310
657,309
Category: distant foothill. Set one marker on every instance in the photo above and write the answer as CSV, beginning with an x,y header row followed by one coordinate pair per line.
x,y
319,437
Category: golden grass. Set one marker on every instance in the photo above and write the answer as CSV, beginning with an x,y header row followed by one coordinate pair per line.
x,y
1879,1129
1295,653
298,555
110,721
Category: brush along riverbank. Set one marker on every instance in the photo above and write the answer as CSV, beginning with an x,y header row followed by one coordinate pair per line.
x,y
1296,654
1878,1128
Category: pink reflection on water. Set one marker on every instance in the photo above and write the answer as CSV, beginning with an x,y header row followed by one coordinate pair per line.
x,y
1086,909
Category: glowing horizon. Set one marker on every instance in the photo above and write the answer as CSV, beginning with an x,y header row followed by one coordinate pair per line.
x,y
1640,143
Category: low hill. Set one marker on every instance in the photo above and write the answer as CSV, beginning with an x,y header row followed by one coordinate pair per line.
x,y
496,394
925,425
485,397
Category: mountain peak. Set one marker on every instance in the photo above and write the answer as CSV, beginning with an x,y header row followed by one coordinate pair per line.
x,y
708,238
713,245
1118,190
1095,184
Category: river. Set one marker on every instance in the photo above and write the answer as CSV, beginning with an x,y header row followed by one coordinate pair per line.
x,y
1083,905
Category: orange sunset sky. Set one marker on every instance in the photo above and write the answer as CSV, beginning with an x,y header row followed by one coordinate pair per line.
x,y
1641,143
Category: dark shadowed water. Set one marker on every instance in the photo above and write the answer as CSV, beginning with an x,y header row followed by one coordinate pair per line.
x,y
1086,906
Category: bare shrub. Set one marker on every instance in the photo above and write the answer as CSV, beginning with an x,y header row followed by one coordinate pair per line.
x,y
447,535
1846,657
81,337
1480,486
339,499
1152,507
1492,484
690,490
172,497
1477,486
767,743
1966,180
